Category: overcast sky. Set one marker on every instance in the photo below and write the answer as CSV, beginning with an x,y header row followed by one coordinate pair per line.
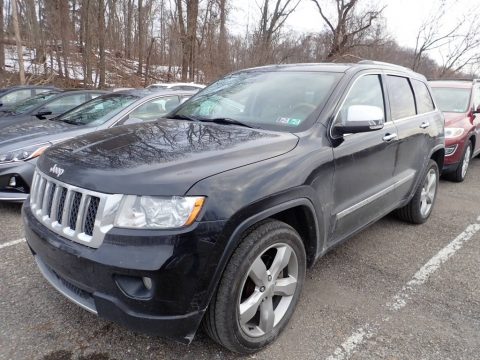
x,y
403,17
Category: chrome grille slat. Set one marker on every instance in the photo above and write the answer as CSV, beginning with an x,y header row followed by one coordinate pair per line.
x,y
78,214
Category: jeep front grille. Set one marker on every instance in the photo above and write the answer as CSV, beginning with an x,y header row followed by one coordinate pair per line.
x,y
75,213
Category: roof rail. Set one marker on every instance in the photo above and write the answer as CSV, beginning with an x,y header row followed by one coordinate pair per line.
x,y
469,80
373,62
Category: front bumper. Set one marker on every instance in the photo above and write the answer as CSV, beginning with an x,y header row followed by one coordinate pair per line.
x,y
108,281
22,172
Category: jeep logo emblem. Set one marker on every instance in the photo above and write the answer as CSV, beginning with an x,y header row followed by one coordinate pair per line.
x,y
56,170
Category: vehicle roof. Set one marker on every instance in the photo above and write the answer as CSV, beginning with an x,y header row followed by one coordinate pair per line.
x,y
459,84
178,84
143,93
336,67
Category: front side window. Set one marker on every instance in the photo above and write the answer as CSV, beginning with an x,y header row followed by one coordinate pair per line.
x,y
454,100
424,100
65,103
275,100
402,102
155,109
367,90
98,111
15,96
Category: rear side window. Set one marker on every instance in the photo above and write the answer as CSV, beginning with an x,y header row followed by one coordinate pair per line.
x,y
402,102
424,100
476,97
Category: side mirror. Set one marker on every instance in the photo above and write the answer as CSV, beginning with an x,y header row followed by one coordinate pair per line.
x,y
42,113
477,110
361,118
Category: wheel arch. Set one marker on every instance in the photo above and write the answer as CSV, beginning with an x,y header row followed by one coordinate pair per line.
x,y
438,155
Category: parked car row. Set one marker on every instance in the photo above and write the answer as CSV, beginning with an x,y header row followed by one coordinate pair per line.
x,y
211,215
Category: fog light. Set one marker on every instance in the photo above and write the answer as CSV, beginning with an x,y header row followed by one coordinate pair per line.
x,y
449,150
12,182
147,282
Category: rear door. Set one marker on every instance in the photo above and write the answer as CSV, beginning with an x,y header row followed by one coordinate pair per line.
x,y
363,187
414,115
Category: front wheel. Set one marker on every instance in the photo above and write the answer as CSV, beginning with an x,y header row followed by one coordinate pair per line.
x,y
418,210
461,171
259,289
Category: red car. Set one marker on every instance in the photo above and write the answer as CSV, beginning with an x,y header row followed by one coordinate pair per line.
x,y
460,102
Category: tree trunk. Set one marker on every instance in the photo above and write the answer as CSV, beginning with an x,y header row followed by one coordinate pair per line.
x,y
18,40
192,16
101,42
141,36
128,30
2,46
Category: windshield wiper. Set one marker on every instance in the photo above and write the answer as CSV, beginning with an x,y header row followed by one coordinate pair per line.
x,y
70,122
227,121
183,117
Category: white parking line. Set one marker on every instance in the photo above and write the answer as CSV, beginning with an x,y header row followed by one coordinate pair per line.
x,y
363,333
11,243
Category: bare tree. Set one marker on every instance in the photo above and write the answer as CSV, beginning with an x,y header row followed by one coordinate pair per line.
x,y
274,13
18,40
349,27
141,36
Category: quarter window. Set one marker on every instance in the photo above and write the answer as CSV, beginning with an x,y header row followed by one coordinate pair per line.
x,y
367,90
424,100
402,102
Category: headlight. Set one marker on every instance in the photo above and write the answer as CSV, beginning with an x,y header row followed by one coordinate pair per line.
x,y
151,212
453,132
25,153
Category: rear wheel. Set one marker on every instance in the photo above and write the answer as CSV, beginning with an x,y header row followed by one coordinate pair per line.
x,y
418,210
461,172
259,289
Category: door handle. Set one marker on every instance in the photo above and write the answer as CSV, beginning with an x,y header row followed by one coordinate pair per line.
x,y
425,125
390,137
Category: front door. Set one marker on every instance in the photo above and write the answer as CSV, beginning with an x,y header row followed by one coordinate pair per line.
x,y
363,188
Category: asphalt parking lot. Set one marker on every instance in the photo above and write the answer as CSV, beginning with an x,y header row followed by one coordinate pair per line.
x,y
395,291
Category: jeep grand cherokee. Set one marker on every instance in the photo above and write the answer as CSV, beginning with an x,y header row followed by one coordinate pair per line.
x,y
214,213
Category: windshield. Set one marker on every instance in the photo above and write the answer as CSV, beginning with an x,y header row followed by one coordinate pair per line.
x,y
454,100
98,111
32,103
276,100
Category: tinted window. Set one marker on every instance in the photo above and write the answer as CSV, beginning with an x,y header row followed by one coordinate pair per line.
x,y
15,96
277,100
452,99
367,90
401,98
65,103
424,100
155,109
98,111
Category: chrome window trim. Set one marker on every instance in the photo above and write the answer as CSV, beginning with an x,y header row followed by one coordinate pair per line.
x,y
335,118
373,197
103,221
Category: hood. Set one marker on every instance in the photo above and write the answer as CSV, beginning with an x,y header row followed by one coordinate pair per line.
x,y
452,118
164,157
34,132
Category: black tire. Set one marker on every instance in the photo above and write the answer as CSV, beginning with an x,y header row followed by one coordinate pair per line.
x,y
222,320
412,211
458,175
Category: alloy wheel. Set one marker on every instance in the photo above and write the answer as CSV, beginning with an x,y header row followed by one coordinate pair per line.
x,y
268,290
466,160
428,192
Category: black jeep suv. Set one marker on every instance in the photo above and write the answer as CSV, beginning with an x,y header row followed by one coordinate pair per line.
x,y
214,213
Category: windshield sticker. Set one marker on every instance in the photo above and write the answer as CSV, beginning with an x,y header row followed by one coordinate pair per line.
x,y
288,121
